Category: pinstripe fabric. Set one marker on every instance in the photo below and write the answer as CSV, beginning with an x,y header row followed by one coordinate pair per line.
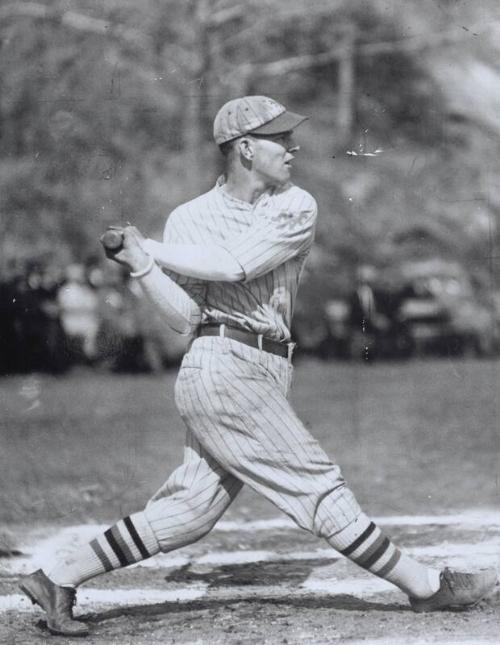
x,y
241,428
180,311
233,398
270,239
193,498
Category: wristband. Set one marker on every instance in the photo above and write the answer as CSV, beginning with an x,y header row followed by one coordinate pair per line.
x,y
147,269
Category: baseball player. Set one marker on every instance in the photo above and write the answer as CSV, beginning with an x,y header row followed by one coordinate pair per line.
x,y
227,273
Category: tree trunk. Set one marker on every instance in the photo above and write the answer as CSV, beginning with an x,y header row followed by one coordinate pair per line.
x,y
346,85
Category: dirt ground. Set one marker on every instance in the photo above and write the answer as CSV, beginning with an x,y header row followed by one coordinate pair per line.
x,y
260,602
416,439
272,620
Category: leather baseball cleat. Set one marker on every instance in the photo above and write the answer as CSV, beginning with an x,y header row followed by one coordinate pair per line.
x,y
56,601
457,590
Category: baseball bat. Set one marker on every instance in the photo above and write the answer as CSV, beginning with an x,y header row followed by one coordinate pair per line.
x,y
112,240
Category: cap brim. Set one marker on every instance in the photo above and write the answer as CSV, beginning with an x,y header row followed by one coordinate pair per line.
x,y
282,123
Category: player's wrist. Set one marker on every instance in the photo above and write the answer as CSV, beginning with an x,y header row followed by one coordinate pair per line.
x,y
144,270
149,246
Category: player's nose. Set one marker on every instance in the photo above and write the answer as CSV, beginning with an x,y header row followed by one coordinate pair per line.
x,y
290,144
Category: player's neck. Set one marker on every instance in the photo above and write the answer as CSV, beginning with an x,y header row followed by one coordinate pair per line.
x,y
246,188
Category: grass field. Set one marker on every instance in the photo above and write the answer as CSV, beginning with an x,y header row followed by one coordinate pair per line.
x,y
415,440
412,437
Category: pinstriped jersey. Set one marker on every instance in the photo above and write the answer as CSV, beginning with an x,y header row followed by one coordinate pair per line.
x,y
270,239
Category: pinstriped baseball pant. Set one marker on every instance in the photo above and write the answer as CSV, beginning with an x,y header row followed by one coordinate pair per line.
x,y
242,430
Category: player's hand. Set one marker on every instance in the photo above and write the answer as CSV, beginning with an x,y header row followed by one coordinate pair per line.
x,y
133,230
131,254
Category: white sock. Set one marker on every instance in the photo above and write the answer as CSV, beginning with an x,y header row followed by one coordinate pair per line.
x,y
364,543
130,540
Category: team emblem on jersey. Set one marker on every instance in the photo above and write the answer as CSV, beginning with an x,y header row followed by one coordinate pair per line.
x,y
290,220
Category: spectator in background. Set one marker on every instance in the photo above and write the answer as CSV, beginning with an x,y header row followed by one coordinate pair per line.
x,y
51,279
78,305
128,339
368,321
149,327
8,315
30,321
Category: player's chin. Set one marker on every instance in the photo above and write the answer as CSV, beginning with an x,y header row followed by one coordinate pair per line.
x,y
279,178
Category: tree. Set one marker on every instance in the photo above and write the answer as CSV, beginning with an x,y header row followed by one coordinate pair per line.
x,y
105,114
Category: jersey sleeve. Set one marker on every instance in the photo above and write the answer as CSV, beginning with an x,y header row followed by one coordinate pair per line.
x,y
172,232
275,238
177,232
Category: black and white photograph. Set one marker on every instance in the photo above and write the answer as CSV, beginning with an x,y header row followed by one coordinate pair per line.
x,y
250,322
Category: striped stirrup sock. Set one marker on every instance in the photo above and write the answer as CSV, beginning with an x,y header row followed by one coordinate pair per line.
x,y
120,546
373,551
128,541
364,543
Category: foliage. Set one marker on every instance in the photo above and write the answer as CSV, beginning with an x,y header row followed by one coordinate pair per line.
x,y
106,108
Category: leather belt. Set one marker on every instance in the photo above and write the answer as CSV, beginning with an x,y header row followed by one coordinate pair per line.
x,y
258,341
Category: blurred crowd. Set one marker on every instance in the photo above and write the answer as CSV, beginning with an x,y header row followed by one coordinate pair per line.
x,y
53,319
418,308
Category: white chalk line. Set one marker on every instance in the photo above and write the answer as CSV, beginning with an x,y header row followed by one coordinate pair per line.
x,y
471,519
321,580
64,541
485,553
364,588
89,597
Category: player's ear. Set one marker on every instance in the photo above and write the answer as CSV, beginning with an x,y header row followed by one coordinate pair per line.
x,y
247,148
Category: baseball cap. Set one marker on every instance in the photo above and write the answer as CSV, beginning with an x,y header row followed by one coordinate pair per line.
x,y
253,114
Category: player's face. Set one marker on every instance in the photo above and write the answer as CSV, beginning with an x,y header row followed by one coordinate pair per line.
x,y
273,156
